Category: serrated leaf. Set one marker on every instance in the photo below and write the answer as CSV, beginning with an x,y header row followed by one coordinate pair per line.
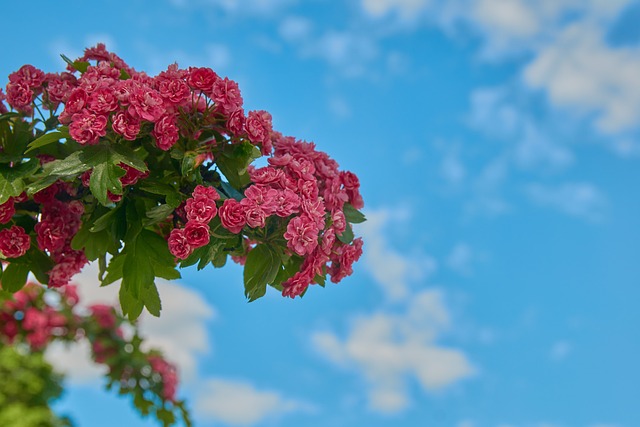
x,y
114,270
261,267
151,300
353,215
105,178
131,306
14,277
159,213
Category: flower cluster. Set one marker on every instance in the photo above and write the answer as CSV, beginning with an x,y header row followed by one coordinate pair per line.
x,y
38,317
157,171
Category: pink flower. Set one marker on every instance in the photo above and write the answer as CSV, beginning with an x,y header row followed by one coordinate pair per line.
x,y
76,102
261,196
87,127
51,234
168,375
302,235
205,192
147,103
201,209
254,214
258,126
232,216
287,203
348,254
103,101
7,210
235,122
197,234
34,319
68,264
29,75
266,175
226,94
339,221
132,175
175,91
104,315
201,78
178,244
315,210
124,124
14,242
166,132
19,96
352,187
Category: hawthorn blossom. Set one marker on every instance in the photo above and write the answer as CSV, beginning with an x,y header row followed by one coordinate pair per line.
x,y
14,242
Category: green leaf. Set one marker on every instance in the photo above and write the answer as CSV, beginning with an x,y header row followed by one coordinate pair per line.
x,y
114,270
145,257
347,236
261,267
131,306
105,178
353,215
9,188
231,192
14,277
11,178
188,163
159,213
106,220
288,269
46,139
233,163
39,264
151,300
73,164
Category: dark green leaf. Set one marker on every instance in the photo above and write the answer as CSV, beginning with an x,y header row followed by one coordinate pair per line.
x,y
131,306
261,267
353,215
159,213
231,192
347,236
114,270
106,220
14,277
151,300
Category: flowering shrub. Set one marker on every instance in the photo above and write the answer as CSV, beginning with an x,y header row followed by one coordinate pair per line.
x,y
146,174
34,320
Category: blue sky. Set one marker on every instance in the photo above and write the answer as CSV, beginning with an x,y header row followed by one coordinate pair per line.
x,y
497,143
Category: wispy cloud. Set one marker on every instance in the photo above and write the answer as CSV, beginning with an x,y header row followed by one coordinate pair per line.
x,y
392,270
388,349
582,200
581,72
240,403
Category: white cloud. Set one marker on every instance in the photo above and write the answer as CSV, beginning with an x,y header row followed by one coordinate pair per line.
x,y
407,9
240,403
294,28
388,349
581,200
74,361
392,270
560,350
180,332
495,112
580,72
